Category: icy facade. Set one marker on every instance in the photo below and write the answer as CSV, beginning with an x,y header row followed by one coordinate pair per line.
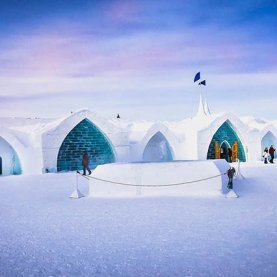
x,y
84,136
39,146
9,161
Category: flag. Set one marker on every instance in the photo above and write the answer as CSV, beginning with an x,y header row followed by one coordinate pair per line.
x,y
197,77
202,83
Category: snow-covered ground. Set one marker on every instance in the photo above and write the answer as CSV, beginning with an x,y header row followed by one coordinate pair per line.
x,y
45,233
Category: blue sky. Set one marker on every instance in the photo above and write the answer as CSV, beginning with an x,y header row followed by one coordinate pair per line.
x,y
137,58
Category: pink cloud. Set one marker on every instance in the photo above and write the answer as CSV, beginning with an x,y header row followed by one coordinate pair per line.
x,y
77,54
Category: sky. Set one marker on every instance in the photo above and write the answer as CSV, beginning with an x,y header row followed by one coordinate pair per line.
x,y
137,58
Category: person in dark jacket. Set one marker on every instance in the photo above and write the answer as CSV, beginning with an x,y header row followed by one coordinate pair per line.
x,y
229,155
223,153
85,163
230,173
271,153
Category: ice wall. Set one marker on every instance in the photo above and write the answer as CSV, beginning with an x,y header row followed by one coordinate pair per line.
x,y
201,178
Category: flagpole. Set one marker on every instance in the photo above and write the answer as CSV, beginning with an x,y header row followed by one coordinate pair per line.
x,y
205,97
196,79
201,108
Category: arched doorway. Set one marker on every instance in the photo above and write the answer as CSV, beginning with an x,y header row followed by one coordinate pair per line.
x,y
226,140
157,149
224,150
84,136
9,161
268,140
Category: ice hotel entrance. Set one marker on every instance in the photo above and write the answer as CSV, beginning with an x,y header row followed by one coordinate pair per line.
x,y
84,136
268,140
226,138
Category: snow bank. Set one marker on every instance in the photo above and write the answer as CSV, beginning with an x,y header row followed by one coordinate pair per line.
x,y
157,179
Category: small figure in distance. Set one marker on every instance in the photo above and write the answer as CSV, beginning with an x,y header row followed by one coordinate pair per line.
x,y
85,163
265,155
271,153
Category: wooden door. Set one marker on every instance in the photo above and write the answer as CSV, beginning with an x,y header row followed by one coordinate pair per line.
x,y
235,151
217,150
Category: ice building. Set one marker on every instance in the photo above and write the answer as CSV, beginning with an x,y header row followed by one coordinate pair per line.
x,y
31,146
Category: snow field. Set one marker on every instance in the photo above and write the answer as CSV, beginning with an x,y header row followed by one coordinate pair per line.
x,y
45,233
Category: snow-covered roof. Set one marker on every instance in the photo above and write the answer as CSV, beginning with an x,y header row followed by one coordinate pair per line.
x,y
254,123
30,129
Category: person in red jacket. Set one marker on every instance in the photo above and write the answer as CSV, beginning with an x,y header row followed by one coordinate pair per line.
x,y
271,153
85,163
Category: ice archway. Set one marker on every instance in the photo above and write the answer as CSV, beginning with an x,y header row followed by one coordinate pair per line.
x,y
9,161
268,140
84,136
157,149
226,133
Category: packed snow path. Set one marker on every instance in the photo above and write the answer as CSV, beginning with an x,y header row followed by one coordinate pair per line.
x,y
45,233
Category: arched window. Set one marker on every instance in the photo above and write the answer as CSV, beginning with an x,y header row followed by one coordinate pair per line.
x,y
9,161
157,149
226,136
84,136
268,140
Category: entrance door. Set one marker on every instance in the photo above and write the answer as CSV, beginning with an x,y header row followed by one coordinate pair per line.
x,y
224,151
235,151
217,150
0,165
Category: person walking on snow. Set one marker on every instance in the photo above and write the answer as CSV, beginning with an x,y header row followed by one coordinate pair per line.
x,y
271,153
230,173
265,155
85,163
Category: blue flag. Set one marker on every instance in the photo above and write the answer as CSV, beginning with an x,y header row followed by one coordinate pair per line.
x,y
202,83
197,77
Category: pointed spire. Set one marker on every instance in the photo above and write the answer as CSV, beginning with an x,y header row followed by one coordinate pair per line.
x,y
201,108
206,107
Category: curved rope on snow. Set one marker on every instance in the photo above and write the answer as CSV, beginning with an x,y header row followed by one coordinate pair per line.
x,y
166,185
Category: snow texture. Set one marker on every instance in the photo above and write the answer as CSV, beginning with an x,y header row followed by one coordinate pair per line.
x,y
46,233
